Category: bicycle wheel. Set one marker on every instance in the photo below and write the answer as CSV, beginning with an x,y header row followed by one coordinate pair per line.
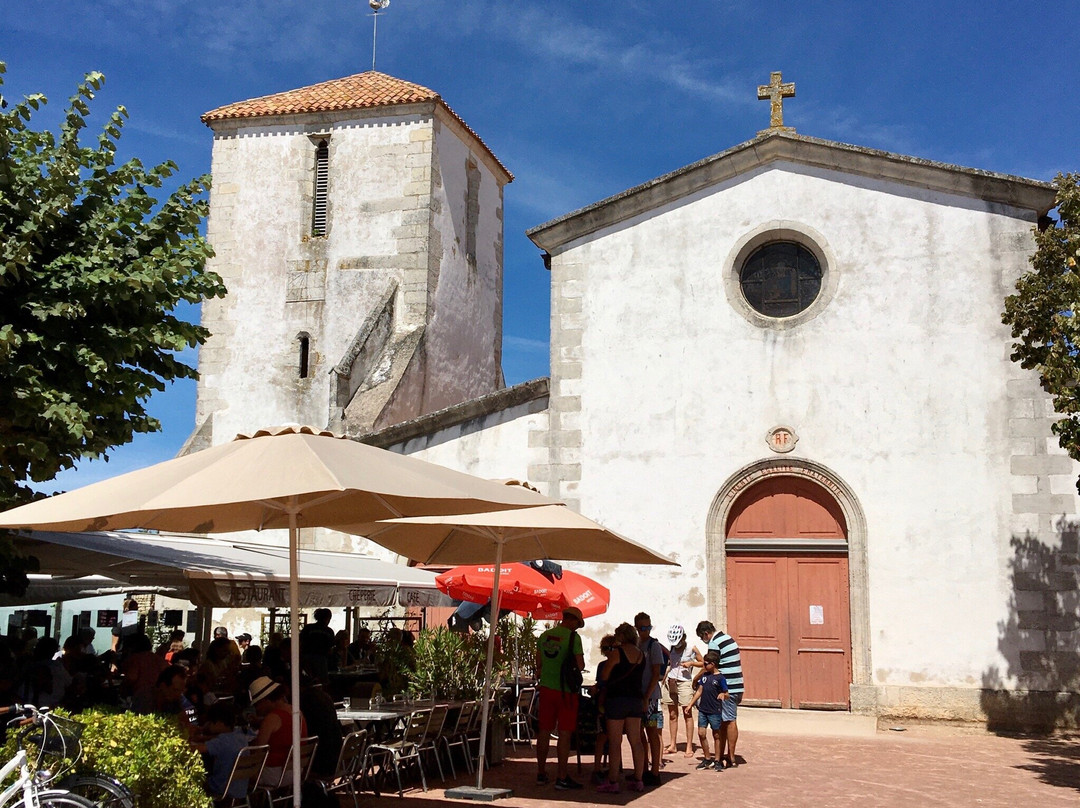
x,y
102,790
61,799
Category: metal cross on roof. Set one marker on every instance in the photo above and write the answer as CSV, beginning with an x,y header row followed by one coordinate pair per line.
x,y
775,91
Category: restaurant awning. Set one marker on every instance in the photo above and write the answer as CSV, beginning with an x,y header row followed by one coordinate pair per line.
x,y
213,572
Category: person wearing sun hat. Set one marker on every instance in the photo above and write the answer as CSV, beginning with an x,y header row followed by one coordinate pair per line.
x,y
271,704
558,702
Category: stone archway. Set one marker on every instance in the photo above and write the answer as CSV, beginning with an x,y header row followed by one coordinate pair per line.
x,y
862,693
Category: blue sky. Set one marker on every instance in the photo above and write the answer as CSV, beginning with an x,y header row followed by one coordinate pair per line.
x,y
581,99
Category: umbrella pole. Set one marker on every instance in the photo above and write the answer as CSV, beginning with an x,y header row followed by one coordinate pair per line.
x,y
482,751
294,651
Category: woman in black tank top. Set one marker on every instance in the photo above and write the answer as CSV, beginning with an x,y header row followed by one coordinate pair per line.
x,y
624,705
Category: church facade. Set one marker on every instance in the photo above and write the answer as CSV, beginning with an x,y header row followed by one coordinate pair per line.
x,y
784,365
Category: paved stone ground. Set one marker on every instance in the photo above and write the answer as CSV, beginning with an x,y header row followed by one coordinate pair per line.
x,y
923,766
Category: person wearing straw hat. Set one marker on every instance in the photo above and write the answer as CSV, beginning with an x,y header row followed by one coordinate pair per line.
x,y
271,704
558,702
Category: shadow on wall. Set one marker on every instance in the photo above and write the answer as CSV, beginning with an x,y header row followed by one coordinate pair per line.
x,y
1040,639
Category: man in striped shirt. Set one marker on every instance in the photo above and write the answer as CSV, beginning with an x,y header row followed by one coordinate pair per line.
x,y
730,667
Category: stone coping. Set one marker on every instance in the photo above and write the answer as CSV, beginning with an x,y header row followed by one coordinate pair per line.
x,y
459,413
769,147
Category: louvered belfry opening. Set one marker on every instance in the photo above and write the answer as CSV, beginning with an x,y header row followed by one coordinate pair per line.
x,y
322,181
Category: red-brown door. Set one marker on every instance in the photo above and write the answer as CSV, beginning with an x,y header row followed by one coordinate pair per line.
x,y
787,585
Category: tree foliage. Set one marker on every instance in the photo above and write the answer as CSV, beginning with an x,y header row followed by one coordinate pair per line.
x,y
1045,313
92,269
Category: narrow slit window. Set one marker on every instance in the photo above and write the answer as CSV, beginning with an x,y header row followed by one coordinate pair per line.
x,y
305,347
322,181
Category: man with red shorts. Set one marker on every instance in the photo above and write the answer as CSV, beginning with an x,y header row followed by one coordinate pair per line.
x,y
558,701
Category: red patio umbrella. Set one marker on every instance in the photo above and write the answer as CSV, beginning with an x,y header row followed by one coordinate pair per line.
x,y
525,590
521,587
577,590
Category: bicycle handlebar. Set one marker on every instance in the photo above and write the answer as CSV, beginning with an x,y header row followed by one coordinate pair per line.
x,y
21,712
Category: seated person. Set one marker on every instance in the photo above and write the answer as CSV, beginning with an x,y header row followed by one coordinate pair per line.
x,y
222,746
219,670
169,691
86,637
45,680
173,644
271,703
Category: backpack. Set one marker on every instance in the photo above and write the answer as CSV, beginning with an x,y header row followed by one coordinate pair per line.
x,y
570,675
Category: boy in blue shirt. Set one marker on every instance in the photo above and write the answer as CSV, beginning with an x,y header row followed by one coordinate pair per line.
x,y
709,697
223,748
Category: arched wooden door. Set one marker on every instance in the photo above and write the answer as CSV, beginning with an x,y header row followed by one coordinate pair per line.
x,y
787,595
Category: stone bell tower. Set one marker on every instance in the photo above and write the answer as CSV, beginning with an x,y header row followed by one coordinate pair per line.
x,y
357,225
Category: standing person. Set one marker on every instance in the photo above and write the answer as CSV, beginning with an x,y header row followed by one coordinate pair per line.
x,y
127,626
677,690
711,695
730,666
623,706
322,720
141,668
650,690
316,646
607,648
558,701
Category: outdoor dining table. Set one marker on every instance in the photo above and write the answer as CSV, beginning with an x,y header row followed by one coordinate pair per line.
x,y
374,714
381,721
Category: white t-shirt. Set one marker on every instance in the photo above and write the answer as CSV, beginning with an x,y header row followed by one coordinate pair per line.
x,y
677,671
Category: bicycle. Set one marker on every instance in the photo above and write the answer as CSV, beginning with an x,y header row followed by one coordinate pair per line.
x,y
27,789
60,738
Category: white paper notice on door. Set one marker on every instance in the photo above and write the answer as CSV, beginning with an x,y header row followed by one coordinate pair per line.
x,y
817,615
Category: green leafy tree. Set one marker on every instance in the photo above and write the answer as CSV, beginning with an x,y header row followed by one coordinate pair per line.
x,y
1045,313
92,269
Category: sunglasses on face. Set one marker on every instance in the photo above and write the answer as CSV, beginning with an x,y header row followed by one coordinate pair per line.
x,y
607,648
644,628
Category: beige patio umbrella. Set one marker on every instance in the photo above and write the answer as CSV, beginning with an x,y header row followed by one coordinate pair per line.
x,y
523,534
286,477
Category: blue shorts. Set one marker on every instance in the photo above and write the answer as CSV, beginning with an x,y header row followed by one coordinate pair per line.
x,y
710,720
729,708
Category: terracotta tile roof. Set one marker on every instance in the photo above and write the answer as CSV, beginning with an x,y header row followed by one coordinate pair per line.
x,y
359,91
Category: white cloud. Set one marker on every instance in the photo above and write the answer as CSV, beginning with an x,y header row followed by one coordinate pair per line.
x,y
525,344
559,38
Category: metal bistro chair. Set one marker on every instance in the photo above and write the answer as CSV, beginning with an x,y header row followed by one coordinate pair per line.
x,y
347,771
520,728
430,742
247,767
459,736
473,733
405,747
282,790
